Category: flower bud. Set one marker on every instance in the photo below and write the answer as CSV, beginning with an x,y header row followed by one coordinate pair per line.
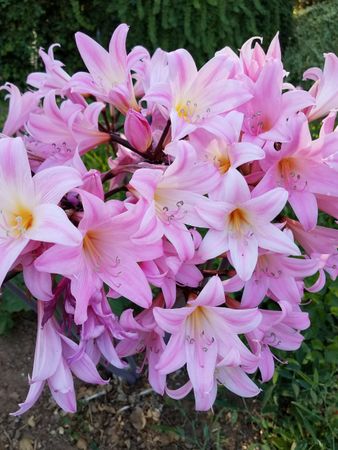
x,y
137,130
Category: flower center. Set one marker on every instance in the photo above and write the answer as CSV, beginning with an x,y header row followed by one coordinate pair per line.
x,y
238,220
91,248
290,175
223,164
16,223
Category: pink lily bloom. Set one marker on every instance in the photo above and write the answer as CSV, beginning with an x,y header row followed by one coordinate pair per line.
x,y
203,336
253,58
226,152
54,362
298,167
107,253
320,240
28,206
267,120
241,224
148,337
20,107
168,270
324,89
55,77
109,78
175,195
273,273
194,99
100,329
58,131
277,329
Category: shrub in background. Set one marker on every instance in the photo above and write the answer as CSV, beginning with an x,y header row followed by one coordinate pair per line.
x,y
201,26
315,33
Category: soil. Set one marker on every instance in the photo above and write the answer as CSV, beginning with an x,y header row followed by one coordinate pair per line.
x,y
116,416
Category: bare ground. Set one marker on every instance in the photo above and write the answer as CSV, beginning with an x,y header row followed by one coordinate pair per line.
x,y
116,416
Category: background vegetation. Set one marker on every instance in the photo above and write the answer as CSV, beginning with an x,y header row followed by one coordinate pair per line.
x,y
298,408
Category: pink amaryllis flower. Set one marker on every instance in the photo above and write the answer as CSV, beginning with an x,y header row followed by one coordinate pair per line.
x,y
57,131
324,89
273,273
320,240
194,99
20,107
55,77
176,194
107,253
299,168
241,224
278,329
204,335
28,206
225,152
168,270
54,362
109,77
144,335
267,120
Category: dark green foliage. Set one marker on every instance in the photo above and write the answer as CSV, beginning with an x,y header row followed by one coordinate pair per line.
x,y
315,33
201,26
10,306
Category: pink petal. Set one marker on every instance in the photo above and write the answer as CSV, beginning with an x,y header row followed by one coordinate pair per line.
x,y
211,295
173,357
237,381
15,172
268,205
236,189
62,387
35,390
178,394
271,238
60,259
10,249
172,320
51,224
182,68
244,254
53,183
305,207
214,244
95,58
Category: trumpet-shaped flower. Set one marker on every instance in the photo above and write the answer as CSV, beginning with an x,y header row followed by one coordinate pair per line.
x,y
58,131
204,335
20,107
241,224
54,363
324,89
175,195
225,152
109,78
298,167
278,329
273,273
194,99
267,120
28,206
146,335
106,253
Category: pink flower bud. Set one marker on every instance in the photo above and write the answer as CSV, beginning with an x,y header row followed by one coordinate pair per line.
x,y
137,130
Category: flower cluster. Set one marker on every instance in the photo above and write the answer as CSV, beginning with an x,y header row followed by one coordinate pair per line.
x,y
201,228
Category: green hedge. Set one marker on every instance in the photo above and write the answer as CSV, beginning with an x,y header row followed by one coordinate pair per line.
x,y
202,26
315,33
